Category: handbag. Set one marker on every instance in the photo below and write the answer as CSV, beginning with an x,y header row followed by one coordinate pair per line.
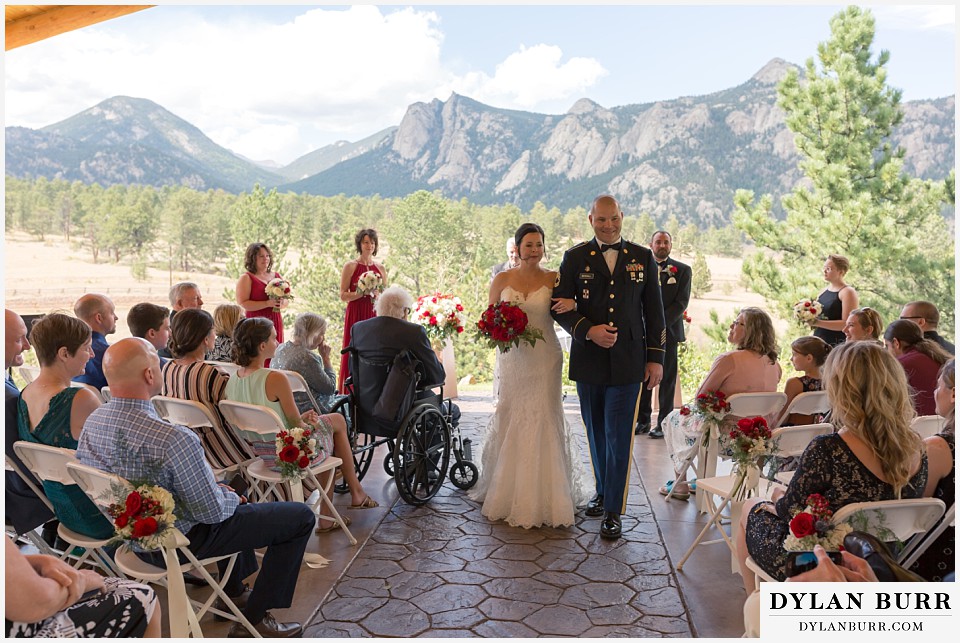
x,y
399,389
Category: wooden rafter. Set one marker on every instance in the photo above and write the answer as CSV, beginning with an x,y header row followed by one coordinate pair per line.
x,y
26,24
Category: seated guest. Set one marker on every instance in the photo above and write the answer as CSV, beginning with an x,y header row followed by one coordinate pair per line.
x,y
225,318
255,341
809,354
100,315
126,437
188,377
152,323
24,510
874,456
863,324
751,368
921,359
938,560
52,412
183,296
309,334
44,600
927,317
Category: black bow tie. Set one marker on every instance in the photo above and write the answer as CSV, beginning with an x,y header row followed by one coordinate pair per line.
x,y
662,264
610,246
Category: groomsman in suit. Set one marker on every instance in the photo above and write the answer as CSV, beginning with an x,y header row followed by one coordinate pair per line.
x,y
513,259
675,278
616,322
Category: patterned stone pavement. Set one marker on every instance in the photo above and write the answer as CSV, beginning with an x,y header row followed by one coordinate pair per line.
x,y
443,570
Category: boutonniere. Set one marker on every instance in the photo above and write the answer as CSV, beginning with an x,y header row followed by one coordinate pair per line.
x,y
671,272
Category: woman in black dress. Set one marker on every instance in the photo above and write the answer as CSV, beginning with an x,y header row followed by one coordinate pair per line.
x,y
874,456
838,301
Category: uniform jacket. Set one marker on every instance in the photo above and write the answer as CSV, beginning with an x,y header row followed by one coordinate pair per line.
x,y
628,299
675,292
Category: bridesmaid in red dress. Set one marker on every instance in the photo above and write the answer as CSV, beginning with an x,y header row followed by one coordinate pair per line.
x,y
251,294
359,307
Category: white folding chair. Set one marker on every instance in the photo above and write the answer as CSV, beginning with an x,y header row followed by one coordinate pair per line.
x,y
105,394
809,403
28,373
259,424
299,385
196,416
927,425
923,544
793,441
92,389
227,368
35,539
49,464
100,487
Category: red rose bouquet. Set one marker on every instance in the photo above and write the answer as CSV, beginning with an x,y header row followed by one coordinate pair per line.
x,y
278,288
748,442
686,318
504,325
712,406
440,315
143,517
297,450
807,311
812,526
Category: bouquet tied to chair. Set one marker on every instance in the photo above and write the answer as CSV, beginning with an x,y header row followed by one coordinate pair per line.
x,y
297,450
142,515
750,441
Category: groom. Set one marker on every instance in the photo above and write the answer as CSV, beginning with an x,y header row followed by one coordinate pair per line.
x,y
619,337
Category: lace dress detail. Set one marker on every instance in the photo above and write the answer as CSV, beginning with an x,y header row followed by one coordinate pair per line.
x,y
830,468
531,470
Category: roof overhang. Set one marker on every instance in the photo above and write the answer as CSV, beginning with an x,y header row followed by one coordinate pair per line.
x,y
29,23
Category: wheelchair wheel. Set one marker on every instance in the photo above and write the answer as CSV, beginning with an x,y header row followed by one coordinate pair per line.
x,y
388,460
361,444
464,474
421,455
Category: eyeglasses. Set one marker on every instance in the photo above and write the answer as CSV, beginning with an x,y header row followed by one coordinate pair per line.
x,y
913,317
406,310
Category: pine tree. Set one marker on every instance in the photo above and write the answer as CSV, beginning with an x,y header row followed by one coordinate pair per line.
x,y
856,200
702,281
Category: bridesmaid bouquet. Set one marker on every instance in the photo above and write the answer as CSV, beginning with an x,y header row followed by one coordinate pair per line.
x,y
440,315
504,325
807,311
143,516
812,526
370,283
278,288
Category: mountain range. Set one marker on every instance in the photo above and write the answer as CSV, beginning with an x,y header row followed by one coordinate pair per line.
x,y
684,156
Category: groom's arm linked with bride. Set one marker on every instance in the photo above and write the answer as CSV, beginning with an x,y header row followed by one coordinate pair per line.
x,y
619,334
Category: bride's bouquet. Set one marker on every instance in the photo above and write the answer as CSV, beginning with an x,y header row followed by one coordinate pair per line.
x,y
440,315
807,311
504,325
278,288
370,283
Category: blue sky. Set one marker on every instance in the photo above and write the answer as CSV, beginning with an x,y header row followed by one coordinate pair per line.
x,y
277,82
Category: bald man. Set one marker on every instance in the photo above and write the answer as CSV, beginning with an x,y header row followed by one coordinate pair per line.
x,y
927,317
127,437
23,508
100,315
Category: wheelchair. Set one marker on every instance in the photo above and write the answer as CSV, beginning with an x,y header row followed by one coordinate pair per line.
x,y
419,445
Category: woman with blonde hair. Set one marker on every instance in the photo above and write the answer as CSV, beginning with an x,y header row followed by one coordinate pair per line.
x,y
874,455
863,324
309,334
838,300
225,318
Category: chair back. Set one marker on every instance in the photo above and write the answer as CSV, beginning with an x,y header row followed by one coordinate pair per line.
x,y
101,487
227,368
927,425
299,385
28,373
29,480
809,403
753,404
904,519
923,543
793,440
252,422
92,389
46,462
186,413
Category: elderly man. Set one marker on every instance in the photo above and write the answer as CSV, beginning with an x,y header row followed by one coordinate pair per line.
x,y
100,315
513,259
127,437
150,322
927,317
24,508
185,294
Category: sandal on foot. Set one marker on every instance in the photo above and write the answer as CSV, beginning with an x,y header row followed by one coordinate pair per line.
x,y
368,503
679,495
326,530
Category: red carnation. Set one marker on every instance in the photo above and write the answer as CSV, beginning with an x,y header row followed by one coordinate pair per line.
x,y
122,520
684,410
289,453
673,270
803,524
145,527
304,462
134,502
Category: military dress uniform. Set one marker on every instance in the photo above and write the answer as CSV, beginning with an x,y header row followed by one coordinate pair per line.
x,y
609,379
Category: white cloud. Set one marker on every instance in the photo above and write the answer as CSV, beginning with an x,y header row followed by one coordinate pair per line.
x,y
532,76
916,17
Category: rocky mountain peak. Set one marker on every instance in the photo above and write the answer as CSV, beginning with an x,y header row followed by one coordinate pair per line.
x,y
584,106
773,72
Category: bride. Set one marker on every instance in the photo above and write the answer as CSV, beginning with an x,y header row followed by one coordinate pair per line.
x,y
531,473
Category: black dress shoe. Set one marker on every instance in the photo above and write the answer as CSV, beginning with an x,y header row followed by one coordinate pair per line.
x,y
240,601
656,433
611,525
881,561
641,429
594,507
269,627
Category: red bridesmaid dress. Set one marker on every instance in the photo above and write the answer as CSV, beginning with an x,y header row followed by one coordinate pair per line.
x,y
258,292
357,310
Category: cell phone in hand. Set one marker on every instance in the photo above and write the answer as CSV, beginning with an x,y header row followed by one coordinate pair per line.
x,y
803,561
239,484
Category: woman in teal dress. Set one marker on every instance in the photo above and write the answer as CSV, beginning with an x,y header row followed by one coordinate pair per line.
x,y
52,412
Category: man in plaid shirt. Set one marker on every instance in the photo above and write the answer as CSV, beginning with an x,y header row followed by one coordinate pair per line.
x,y
127,437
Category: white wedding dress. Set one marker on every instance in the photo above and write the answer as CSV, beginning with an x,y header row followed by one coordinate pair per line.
x,y
531,472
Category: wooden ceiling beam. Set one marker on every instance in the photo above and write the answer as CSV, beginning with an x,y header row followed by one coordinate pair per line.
x,y
51,20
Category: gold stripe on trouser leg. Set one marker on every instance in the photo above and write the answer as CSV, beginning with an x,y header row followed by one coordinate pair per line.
x,y
626,483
